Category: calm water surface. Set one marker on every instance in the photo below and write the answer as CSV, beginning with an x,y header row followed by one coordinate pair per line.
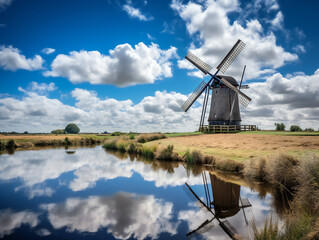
x,y
91,194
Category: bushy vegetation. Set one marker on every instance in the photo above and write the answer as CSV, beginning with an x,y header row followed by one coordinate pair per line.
x,y
280,126
117,133
72,128
295,128
58,131
143,138
309,130
300,180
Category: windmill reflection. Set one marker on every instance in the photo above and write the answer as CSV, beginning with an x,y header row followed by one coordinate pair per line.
x,y
222,200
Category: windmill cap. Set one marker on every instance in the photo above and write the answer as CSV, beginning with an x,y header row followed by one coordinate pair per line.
x,y
230,79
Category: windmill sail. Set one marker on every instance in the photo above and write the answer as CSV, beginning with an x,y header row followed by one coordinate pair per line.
x,y
192,98
204,67
231,56
242,97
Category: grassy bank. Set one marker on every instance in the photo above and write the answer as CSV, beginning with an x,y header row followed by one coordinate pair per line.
x,y
53,140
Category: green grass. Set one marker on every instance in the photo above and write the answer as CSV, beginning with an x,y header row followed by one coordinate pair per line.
x,y
180,134
282,133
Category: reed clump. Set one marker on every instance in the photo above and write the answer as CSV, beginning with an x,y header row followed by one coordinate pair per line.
x,y
167,154
229,165
196,157
148,137
308,190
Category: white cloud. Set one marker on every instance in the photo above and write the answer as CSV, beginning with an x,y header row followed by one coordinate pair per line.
x,y
292,99
299,48
39,88
135,12
150,37
10,220
217,34
11,59
278,21
48,50
124,214
125,66
5,3
43,232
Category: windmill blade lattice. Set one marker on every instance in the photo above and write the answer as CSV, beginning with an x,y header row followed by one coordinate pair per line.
x,y
192,98
231,56
204,67
242,97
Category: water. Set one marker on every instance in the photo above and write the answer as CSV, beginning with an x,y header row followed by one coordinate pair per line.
x,y
88,193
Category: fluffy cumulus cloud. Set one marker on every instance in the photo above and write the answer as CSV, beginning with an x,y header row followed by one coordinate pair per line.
x,y
124,66
39,113
292,99
135,12
124,214
12,59
10,220
209,21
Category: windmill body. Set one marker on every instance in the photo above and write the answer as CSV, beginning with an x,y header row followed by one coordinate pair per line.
x,y
224,107
225,90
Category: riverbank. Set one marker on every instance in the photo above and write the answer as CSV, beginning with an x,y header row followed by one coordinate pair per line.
x,y
290,164
12,142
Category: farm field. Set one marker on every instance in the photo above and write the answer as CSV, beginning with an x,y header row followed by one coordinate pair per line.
x,y
241,146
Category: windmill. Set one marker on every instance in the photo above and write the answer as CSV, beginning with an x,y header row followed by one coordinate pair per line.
x,y
222,202
226,94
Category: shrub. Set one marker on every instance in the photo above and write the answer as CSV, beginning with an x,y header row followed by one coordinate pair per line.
x,y
309,130
132,136
117,133
58,131
295,128
280,126
11,144
67,142
72,128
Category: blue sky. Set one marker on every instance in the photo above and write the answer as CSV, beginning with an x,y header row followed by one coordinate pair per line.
x,y
118,65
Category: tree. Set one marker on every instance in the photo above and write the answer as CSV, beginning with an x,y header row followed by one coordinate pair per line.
x,y
72,128
295,128
280,126
58,131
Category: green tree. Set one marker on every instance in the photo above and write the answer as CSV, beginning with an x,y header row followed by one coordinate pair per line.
x,y
280,126
72,128
58,131
295,128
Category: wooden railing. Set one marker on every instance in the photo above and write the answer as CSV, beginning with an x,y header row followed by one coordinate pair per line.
x,y
227,128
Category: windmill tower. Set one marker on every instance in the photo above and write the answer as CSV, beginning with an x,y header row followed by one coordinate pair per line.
x,y
225,90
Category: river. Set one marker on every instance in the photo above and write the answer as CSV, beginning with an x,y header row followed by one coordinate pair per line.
x,y
88,193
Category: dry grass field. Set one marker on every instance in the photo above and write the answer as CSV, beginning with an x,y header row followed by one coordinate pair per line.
x,y
243,146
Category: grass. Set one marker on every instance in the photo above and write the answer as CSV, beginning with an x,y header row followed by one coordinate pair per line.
x,y
282,133
181,134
